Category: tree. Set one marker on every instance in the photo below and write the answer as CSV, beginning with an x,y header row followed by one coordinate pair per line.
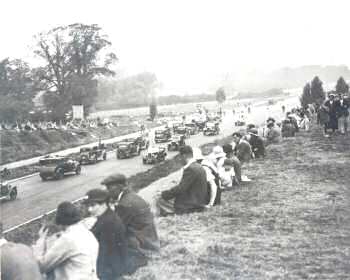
x,y
306,97
316,90
74,56
220,95
153,110
341,86
17,90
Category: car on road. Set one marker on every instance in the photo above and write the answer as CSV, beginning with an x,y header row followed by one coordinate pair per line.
x,y
93,154
162,135
176,142
7,191
154,155
143,141
192,128
239,123
211,128
56,167
182,130
128,148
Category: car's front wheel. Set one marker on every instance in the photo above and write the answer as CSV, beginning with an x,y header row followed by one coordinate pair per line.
x,y
59,174
78,170
13,194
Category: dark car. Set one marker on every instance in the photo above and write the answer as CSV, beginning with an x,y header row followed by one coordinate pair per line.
x,y
154,155
211,128
143,141
192,128
127,149
182,130
57,166
162,135
92,154
239,123
7,191
176,142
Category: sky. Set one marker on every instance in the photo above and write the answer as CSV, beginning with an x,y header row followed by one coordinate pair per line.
x,y
192,45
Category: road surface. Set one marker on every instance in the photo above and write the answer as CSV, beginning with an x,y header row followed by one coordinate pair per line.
x,y
36,197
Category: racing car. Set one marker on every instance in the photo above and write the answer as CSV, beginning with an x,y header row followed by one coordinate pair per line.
x,y
57,166
154,155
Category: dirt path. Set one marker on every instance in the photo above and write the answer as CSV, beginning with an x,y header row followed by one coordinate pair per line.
x,y
291,222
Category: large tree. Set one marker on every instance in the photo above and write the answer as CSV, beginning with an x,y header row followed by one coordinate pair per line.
x,y
17,89
306,97
316,90
341,86
220,95
74,56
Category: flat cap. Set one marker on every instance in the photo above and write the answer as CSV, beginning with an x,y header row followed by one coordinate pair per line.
x,y
186,150
97,195
116,178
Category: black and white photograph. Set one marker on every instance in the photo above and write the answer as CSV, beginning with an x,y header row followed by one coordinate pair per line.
x,y
175,140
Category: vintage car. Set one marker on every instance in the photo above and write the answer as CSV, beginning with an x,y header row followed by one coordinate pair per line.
x,y
211,128
176,142
128,148
182,130
192,128
162,135
57,166
239,123
143,141
7,191
154,155
92,154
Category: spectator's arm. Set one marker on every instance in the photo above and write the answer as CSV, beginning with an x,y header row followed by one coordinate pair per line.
x,y
186,181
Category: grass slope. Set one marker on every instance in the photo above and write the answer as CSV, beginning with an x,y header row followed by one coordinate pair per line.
x,y
291,222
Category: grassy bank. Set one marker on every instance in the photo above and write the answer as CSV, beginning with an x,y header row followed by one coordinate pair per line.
x,y
291,222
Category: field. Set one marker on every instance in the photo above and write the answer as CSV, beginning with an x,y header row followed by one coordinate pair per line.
x,y
291,222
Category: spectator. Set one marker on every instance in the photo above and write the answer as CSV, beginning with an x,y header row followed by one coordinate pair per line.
x,y
288,128
332,112
243,150
227,174
305,122
73,255
213,179
256,142
191,193
228,150
17,261
342,108
323,118
110,233
136,215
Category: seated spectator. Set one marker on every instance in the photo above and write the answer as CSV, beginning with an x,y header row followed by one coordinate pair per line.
x,y
213,179
191,194
73,255
228,150
17,261
294,120
138,219
256,142
227,174
288,128
305,122
273,135
243,150
110,233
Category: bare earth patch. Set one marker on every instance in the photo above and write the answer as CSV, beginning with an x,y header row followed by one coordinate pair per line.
x,y
291,222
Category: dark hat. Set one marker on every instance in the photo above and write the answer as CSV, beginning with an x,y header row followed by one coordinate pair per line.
x,y
237,134
186,150
228,161
227,148
97,195
114,179
67,214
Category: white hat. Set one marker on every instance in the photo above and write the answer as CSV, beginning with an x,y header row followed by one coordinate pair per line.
x,y
218,152
197,154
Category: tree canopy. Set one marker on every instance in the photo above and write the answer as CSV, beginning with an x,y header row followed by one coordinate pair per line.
x,y
341,86
220,95
316,90
306,97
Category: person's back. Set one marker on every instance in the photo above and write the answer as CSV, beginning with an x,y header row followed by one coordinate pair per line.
x,y
18,262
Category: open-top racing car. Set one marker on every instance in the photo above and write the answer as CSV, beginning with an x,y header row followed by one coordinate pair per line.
x,y
7,191
192,128
176,142
128,148
154,155
92,154
57,166
182,130
211,128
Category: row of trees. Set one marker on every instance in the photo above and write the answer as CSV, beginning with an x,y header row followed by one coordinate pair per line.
x,y
314,93
72,58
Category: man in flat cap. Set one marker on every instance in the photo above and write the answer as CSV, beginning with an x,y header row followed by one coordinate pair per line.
x,y
191,193
137,217
110,233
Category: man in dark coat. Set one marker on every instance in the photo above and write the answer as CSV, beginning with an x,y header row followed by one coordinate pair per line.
x,y
256,142
191,193
110,233
243,150
342,107
332,111
138,219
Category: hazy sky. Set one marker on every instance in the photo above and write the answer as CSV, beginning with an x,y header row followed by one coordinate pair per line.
x,y
192,44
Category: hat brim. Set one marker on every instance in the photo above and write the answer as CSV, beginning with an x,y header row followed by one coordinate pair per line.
x,y
219,155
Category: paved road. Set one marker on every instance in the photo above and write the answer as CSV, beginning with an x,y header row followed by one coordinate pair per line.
x,y
36,197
